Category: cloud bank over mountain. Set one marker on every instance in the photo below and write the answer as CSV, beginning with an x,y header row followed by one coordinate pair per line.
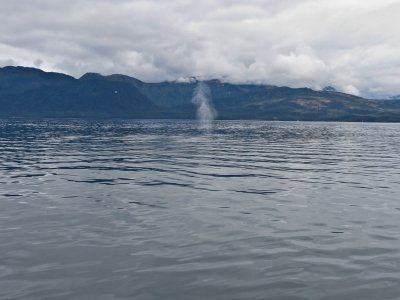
x,y
353,45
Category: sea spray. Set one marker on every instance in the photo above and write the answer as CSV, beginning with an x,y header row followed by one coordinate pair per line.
x,y
205,110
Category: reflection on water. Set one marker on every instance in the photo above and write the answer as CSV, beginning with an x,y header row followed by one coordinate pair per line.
x,y
161,210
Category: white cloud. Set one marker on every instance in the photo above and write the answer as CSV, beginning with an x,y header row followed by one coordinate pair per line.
x,y
353,45
351,89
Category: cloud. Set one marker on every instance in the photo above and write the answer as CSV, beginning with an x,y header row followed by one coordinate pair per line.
x,y
351,89
350,44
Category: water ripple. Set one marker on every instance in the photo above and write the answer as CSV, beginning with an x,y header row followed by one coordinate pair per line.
x,y
118,209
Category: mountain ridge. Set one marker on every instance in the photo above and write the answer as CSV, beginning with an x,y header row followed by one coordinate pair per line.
x,y
31,92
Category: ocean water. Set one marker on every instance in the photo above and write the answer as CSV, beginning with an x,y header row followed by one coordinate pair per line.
x,y
165,210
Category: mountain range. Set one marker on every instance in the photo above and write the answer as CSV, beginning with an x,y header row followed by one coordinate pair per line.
x,y
31,92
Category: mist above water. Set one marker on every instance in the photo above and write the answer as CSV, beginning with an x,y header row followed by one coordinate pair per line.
x,y
206,112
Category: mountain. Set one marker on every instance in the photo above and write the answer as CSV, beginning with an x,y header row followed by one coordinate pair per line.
x,y
34,93
396,97
29,92
329,89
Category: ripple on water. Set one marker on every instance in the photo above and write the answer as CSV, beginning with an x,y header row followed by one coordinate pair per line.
x,y
118,209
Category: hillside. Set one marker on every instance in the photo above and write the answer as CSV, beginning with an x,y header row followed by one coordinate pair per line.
x,y
29,92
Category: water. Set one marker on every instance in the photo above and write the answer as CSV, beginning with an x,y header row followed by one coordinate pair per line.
x,y
162,210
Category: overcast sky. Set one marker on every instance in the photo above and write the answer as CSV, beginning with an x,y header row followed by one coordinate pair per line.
x,y
353,45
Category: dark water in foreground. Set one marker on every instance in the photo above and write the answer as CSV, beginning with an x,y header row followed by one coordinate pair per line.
x,y
161,210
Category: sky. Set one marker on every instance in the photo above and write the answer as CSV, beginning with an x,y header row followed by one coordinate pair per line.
x,y
352,45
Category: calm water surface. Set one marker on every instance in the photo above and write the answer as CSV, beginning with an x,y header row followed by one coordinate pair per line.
x,y
162,210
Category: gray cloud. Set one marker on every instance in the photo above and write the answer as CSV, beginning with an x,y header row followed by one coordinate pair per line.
x,y
353,45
